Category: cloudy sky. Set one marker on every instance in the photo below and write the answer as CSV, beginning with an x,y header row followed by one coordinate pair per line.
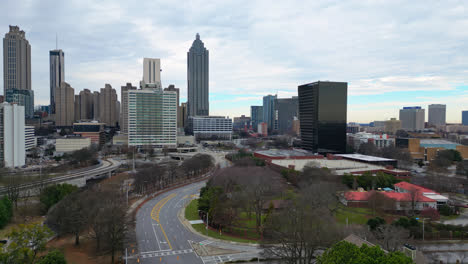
x,y
391,53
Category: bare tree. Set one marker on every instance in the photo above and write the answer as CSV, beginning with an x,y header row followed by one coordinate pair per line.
x,y
391,237
414,194
303,228
70,215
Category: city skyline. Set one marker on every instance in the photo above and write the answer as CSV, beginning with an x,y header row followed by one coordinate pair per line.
x,y
392,62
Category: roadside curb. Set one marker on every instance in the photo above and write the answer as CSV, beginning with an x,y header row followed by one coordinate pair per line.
x,y
185,222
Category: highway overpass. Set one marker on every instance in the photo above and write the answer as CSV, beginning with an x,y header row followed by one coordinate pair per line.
x,y
77,178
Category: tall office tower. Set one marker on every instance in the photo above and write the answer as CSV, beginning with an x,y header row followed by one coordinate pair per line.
x,y
57,74
86,105
64,105
269,111
285,111
77,109
124,110
412,118
22,97
107,106
465,118
96,110
437,114
322,116
152,71
198,79
256,115
12,135
152,117
182,115
16,60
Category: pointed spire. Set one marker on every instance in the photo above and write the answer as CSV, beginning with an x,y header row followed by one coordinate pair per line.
x,y
197,36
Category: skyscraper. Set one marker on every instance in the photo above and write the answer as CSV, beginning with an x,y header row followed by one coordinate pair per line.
x,y
256,115
322,116
16,60
107,106
437,114
412,118
152,71
124,115
17,70
64,105
96,110
198,79
465,118
285,111
57,74
269,111
86,105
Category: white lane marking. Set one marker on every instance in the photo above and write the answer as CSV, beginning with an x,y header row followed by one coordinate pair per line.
x,y
157,251
166,253
159,245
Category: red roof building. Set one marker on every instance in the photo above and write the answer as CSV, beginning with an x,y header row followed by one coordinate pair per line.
x,y
406,187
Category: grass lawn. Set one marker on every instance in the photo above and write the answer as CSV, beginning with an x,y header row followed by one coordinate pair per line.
x,y
355,215
201,229
191,211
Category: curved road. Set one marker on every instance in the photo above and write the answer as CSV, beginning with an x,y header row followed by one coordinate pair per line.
x,y
162,238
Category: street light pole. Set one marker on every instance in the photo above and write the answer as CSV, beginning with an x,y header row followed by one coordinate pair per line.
x,y
423,227
133,159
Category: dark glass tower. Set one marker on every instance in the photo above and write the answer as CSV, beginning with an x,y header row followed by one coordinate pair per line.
x,y
57,74
197,79
322,115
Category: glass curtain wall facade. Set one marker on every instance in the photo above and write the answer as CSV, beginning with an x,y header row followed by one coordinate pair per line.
x,y
322,115
269,111
256,114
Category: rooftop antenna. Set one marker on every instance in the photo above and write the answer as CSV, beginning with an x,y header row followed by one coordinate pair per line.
x,y
56,41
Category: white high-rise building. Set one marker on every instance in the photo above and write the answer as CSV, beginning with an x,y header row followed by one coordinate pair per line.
x,y
151,71
412,118
152,117
437,114
211,127
12,135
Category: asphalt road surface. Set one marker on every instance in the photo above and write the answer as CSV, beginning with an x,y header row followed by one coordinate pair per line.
x,y
162,238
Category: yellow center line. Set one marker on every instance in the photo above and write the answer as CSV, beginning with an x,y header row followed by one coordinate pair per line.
x,y
155,214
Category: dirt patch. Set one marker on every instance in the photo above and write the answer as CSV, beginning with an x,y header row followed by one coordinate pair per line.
x,y
85,253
